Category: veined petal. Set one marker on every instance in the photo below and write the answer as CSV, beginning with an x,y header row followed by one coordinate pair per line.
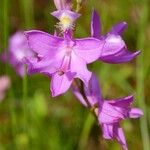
x,y
43,43
61,83
95,25
78,66
119,28
89,49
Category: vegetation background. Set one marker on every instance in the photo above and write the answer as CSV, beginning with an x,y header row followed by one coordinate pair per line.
x,y
30,119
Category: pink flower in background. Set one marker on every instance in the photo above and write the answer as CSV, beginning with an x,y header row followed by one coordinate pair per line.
x,y
115,49
109,112
4,85
17,50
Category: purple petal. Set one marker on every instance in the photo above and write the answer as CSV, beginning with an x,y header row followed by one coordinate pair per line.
x,y
93,91
135,113
61,83
95,25
109,114
119,135
43,43
79,96
46,64
119,28
78,66
122,57
89,49
113,45
114,131
122,102
107,131
70,14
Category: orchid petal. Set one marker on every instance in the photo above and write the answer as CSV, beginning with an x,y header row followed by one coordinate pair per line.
x,y
59,13
107,131
119,28
113,45
43,43
122,102
122,57
89,49
79,96
135,113
61,83
78,66
119,135
45,64
108,114
111,131
95,25
93,92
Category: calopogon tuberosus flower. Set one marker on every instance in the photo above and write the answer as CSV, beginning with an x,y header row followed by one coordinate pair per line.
x,y
115,49
62,4
18,49
4,85
63,58
109,112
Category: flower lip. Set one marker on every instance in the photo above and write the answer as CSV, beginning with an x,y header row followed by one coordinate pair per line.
x,y
66,18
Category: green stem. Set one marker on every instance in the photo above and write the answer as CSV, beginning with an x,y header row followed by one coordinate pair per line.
x,y
27,13
86,131
140,75
28,17
25,95
10,94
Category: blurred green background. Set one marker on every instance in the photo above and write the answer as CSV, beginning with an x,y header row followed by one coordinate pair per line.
x,y
30,119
